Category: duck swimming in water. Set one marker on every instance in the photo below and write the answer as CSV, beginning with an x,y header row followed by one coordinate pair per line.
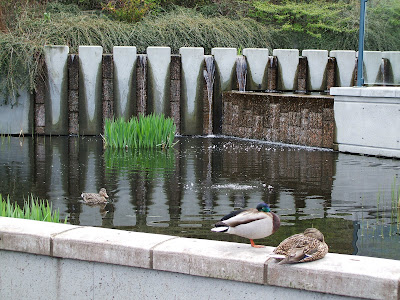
x,y
303,247
253,223
93,198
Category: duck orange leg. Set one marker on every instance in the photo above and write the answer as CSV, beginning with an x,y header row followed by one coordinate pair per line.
x,y
254,245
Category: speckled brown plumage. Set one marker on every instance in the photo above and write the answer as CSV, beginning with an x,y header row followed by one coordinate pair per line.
x,y
303,247
93,198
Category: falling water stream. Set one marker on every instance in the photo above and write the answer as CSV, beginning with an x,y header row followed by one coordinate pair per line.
x,y
241,72
209,76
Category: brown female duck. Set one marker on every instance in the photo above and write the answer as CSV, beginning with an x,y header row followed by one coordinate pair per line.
x,y
304,247
93,198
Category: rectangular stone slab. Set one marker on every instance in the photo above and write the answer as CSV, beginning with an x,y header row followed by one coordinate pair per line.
x,y
232,261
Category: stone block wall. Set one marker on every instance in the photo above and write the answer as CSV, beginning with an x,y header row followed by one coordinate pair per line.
x,y
285,118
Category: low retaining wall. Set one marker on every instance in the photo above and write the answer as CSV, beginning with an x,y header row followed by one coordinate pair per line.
x,y
367,120
286,118
61,261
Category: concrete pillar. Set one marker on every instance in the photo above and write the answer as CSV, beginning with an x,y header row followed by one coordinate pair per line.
x,y
257,64
159,61
225,78
107,88
302,72
176,71
345,67
141,84
40,108
330,73
317,61
90,90
272,83
225,60
18,118
192,59
288,62
73,94
57,84
124,81
394,61
372,67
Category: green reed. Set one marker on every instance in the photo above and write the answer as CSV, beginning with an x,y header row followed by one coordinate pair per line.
x,y
33,209
151,131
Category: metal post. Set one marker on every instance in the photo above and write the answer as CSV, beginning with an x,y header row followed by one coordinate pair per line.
x,y
360,76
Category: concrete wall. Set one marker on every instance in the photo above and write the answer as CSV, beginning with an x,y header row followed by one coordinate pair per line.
x,y
61,261
367,120
286,118
81,91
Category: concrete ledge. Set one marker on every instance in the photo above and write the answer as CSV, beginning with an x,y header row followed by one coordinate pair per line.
x,y
367,120
67,247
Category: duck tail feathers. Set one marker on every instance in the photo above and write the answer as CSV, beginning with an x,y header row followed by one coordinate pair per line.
x,y
220,229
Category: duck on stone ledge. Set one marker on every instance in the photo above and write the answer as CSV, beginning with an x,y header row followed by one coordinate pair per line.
x,y
253,223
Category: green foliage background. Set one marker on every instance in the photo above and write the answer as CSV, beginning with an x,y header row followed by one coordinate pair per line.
x,y
303,24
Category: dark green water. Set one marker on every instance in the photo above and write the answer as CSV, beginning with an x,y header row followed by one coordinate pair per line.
x,y
185,191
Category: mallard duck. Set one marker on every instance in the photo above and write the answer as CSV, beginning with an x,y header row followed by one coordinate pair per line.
x,y
304,247
253,223
93,198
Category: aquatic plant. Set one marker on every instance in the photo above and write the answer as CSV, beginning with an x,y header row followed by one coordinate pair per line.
x,y
33,209
151,131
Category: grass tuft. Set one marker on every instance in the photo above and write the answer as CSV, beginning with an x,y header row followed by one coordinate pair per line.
x,y
151,131
33,209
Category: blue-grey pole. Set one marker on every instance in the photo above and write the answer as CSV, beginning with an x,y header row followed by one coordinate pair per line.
x,y
360,76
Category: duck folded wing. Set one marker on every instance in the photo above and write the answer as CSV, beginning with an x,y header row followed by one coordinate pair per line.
x,y
241,217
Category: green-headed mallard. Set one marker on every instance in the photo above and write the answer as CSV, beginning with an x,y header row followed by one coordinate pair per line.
x,y
93,198
253,223
303,247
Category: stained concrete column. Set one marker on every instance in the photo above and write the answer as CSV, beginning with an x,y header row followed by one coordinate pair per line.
x,y
159,60
124,81
302,75
225,79
345,67
330,73
57,84
90,90
40,108
288,63
272,83
192,59
175,76
73,94
257,65
107,88
317,61
141,84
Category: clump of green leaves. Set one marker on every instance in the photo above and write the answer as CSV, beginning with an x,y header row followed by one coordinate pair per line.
x,y
127,10
149,131
33,209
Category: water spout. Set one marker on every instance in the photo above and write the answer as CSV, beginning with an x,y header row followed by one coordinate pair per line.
x,y
209,76
241,72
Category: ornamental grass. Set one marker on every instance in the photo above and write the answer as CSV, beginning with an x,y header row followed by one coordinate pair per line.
x,y
151,131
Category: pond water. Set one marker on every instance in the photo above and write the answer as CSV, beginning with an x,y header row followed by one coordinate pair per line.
x,y
184,191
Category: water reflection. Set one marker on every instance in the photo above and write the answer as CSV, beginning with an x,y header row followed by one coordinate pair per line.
x,y
185,190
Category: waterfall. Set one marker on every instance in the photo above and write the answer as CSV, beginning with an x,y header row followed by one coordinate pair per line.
x,y
241,72
209,76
